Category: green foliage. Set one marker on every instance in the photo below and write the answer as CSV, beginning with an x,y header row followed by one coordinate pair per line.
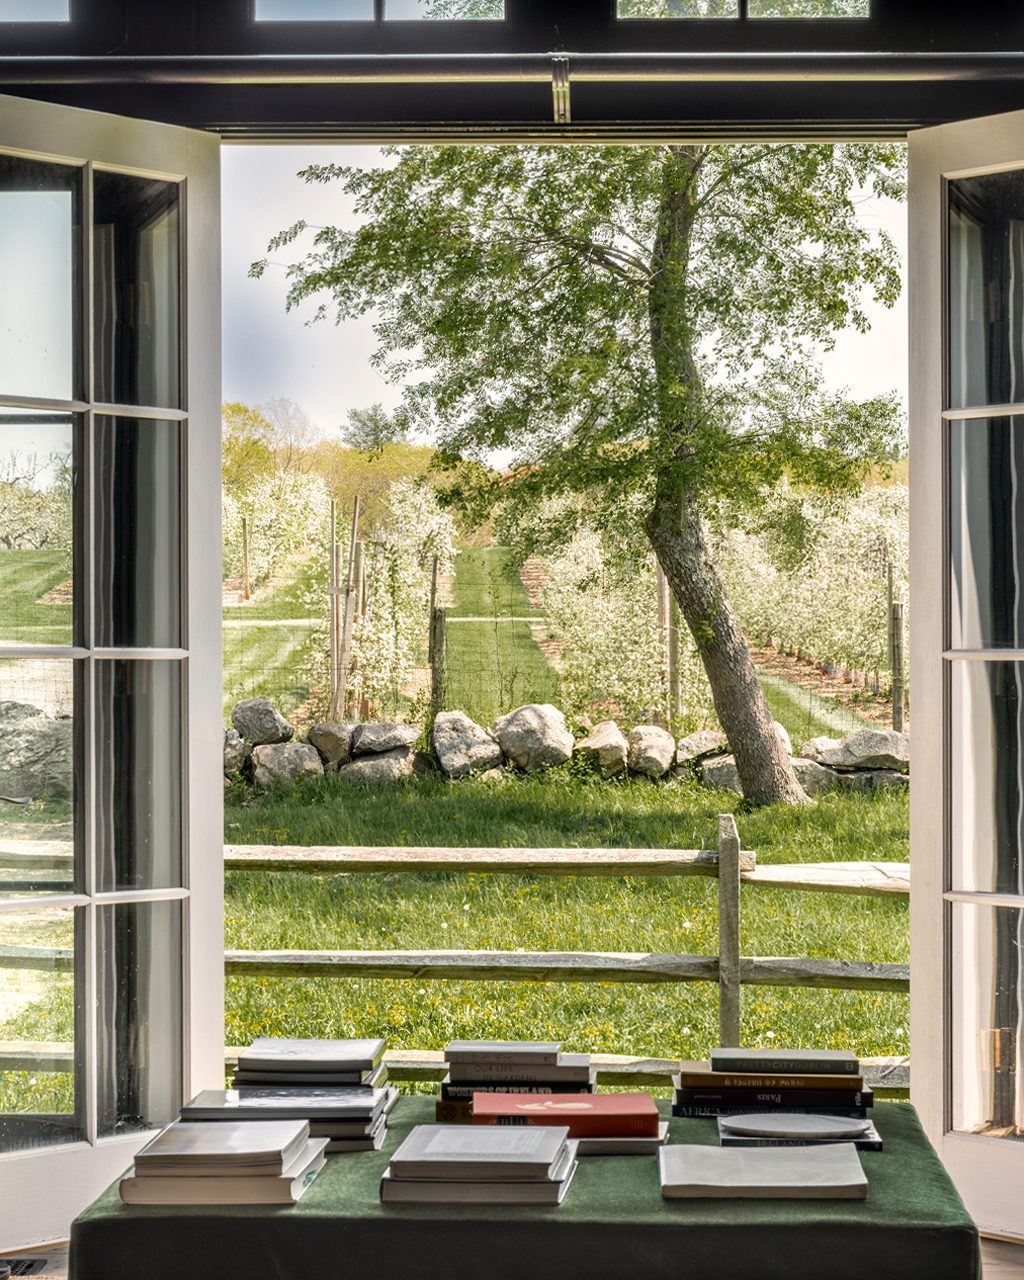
x,y
515,291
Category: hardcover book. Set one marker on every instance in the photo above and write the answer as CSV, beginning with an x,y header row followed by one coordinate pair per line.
x,y
269,1053
509,1052
712,1110
230,1187
809,1098
786,1061
370,1079
552,1191
462,1153
612,1115
245,1147
333,1103
869,1140
571,1068
698,1075
634,1146
829,1172
451,1090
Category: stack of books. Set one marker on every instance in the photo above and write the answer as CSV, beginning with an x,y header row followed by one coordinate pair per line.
x,y
456,1164
339,1086
351,1119
692,1171
508,1066
240,1162
741,1083
610,1124
299,1064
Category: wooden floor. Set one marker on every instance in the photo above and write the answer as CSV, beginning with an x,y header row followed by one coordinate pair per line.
x,y
1001,1262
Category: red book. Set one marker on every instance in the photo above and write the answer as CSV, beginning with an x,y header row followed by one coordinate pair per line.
x,y
588,1115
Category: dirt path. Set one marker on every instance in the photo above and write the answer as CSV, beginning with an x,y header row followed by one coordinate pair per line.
x,y
874,708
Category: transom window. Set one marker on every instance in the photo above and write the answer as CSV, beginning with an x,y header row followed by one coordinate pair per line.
x,y
744,8
375,10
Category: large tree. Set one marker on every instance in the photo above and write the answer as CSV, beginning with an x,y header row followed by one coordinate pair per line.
x,y
624,321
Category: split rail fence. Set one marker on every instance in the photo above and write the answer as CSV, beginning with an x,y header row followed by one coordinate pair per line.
x,y
729,969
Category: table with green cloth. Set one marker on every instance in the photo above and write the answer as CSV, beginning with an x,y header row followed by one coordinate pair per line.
x,y
613,1223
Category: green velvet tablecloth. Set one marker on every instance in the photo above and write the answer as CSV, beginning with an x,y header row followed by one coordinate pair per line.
x,y
613,1223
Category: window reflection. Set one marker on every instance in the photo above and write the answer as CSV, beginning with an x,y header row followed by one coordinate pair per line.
x,y
678,8
37,526
35,11
313,10
138,532
986,297
38,1016
136,301
39,256
988,1008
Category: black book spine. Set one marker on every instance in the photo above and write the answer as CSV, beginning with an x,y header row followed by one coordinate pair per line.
x,y
810,1098
783,1066
739,1140
455,1092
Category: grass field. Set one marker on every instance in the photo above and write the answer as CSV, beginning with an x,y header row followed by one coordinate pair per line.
x,y
25,577
554,913
493,666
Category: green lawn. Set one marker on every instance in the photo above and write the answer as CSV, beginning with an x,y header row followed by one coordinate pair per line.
x,y
493,666
555,913
26,576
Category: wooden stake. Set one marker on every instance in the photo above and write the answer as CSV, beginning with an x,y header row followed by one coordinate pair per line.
x,y
728,932
340,698
245,557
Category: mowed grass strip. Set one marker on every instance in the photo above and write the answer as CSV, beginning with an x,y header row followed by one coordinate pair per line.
x,y
648,914
25,577
487,585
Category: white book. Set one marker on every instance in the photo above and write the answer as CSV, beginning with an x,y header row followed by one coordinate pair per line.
x,y
283,1188
489,1153
244,1147
624,1146
398,1191
271,1053
830,1172
571,1068
524,1052
335,1103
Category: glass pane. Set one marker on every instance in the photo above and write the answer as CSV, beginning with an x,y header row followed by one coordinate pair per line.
x,y
987,768
678,9
35,11
38,1017
139,1072
38,457
136,293
986,298
36,778
809,8
138,533
986,533
138,774
39,264
445,10
988,1006
313,10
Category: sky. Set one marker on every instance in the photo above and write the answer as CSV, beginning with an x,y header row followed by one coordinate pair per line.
x,y
326,368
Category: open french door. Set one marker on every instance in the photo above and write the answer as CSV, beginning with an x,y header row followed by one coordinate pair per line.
x,y
967,656
111,934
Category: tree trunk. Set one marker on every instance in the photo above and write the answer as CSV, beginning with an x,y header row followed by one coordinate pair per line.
x,y
677,536
673,524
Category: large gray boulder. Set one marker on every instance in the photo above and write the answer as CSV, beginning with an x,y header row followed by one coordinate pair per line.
x,y
534,736
333,741
695,746
868,749
372,738
278,763
606,748
384,767
652,751
815,748
36,752
873,780
462,746
260,722
237,752
722,774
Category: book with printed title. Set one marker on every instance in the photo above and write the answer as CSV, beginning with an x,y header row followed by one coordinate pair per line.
x,y
612,1115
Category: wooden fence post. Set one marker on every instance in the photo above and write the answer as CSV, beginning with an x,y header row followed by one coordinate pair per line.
x,y
245,557
438,625
899,693
339,692
728,932
332,595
